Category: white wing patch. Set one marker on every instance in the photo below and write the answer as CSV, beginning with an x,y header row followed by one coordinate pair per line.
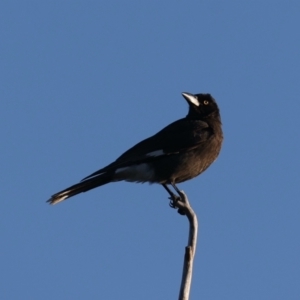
x,y
156,153
135,173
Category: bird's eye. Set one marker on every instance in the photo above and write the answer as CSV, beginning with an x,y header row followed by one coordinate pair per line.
x,y
205,102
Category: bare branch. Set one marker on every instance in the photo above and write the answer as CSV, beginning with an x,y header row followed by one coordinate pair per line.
x,y
190,249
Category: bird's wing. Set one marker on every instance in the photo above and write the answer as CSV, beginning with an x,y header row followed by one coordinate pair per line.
x,y
182,135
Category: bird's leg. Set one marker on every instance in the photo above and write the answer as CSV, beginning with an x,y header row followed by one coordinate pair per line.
x,y
181,197
174,198
176,189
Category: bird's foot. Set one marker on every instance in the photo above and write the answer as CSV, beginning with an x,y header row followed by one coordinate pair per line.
x,y
175,203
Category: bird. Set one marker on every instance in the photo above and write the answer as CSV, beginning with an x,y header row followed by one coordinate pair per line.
x,y
179,152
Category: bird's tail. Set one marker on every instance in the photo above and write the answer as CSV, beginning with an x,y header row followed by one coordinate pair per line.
x,y
80,187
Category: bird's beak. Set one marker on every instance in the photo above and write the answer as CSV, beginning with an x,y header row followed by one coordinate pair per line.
x,y
191,99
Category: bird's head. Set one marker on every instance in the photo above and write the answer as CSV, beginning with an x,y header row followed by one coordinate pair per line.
x,y
201,106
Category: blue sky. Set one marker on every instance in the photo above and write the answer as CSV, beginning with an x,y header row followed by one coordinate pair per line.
x,y
82,81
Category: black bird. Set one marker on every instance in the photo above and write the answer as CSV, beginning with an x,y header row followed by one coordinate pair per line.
x,y
179,152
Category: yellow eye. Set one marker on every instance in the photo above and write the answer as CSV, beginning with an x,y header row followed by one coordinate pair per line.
x,y
205,102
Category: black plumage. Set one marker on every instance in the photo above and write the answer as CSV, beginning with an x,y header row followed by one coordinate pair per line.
x,y
179,152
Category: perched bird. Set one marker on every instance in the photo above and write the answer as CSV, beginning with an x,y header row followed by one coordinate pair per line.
x,y
179,152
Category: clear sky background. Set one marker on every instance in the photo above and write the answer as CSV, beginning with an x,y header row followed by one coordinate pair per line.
x,y
82,81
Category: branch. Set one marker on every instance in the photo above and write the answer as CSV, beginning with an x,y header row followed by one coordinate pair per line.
x,y
184,206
